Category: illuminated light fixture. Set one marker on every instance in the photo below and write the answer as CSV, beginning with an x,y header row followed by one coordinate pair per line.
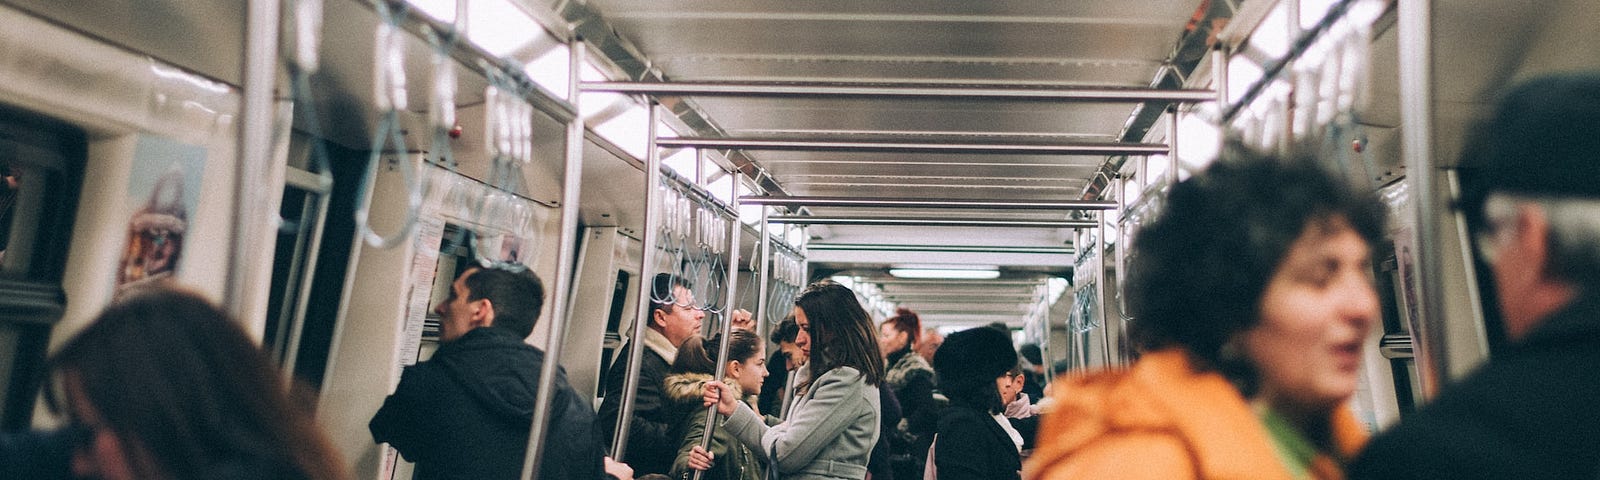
x,y
951,273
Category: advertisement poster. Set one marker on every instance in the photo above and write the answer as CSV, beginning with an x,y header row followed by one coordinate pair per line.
x,y
163,188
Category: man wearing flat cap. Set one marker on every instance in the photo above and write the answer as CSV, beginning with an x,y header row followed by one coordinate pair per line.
x,y
1531,193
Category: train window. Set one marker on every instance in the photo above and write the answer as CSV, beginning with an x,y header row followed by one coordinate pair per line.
x,y
682,162
41,162
441,10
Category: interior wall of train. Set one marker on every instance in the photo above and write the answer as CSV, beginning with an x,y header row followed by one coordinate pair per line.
x,y
327,181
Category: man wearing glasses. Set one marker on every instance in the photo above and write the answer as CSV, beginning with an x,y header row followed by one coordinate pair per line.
x,y
1531,192
674,317
465,413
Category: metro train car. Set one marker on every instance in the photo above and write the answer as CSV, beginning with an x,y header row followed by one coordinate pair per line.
x,y
324,168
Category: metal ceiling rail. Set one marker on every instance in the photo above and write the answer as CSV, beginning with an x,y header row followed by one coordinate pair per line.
x,y
954,281
925,146
820,201
929,222
873,247
923,91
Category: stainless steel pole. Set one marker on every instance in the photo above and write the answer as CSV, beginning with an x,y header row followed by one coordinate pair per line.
x,y
928,222
652,220
859,202
764,276
1416,112
955,145
878,91
254,203
562,294
727,327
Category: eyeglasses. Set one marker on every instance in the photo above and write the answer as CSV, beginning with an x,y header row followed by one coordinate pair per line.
x,y
1498,214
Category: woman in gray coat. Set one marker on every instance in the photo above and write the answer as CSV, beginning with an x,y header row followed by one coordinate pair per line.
x,y
833,422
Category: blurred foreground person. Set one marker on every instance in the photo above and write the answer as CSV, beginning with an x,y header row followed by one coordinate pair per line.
x,y
1531,184
1254,293
170,388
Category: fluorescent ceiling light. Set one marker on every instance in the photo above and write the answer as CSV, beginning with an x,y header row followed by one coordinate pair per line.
x,y
947,273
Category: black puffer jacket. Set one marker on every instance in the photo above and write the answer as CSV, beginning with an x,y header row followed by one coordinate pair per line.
x,y
465,413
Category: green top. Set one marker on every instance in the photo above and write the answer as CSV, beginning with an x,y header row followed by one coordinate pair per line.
x,y
1294,449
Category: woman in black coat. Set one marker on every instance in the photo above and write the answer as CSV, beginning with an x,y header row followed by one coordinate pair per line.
x,y
975,441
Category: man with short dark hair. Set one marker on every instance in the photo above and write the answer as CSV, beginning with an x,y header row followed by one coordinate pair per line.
x,y
674,317
466,412
1531,192
791,356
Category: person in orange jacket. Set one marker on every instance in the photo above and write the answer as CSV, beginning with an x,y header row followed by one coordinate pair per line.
x,y
1252,294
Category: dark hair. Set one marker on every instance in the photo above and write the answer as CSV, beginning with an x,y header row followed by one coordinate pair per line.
x,y
905,320
1199,269
786,331
840,330
1032,353
664,286
517,296
968,364
187,392
694,355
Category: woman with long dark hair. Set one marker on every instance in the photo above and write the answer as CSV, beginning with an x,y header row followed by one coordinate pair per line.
x,y
169,387
833,422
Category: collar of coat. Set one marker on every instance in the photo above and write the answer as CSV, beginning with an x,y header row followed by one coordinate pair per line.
x,y
658,343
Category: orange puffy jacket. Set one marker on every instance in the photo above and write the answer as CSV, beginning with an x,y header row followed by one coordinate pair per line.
x,y
1163,420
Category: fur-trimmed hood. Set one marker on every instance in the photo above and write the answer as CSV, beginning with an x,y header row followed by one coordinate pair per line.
x,y
685,388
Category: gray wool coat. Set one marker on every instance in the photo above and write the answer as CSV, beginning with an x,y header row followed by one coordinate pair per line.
x,y
829,433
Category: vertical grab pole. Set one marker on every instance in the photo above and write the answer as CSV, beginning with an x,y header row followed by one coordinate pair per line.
x,y
727,327
572,180
255,162
1417,111
1048,353
652,220
1100,288
1172,155
765,274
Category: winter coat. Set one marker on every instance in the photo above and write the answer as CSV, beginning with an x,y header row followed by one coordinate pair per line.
x,y
829,433
652,433
911,379
1528,414
731,459
466,412
973,445
1164,420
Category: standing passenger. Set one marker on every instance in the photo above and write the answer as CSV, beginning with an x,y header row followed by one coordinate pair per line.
x,y
788,358
673,318
975,440
1254,293
833,423
168,387
1532,195
911,380
745,372
465,413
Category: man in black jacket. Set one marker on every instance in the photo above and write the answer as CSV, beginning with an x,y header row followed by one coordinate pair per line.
x,y
466,412
1531,192
653,438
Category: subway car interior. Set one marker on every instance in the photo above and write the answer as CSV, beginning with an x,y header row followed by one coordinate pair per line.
x,y
325,168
